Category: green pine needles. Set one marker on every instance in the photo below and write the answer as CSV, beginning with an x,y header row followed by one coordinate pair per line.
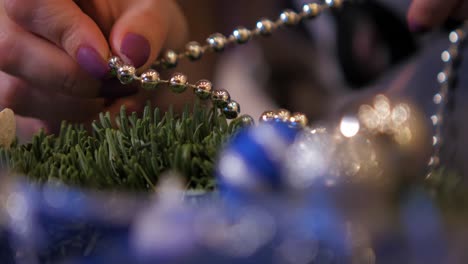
x,y
131,155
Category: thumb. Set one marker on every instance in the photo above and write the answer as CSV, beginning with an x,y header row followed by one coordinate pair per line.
x,y
143,29
64,24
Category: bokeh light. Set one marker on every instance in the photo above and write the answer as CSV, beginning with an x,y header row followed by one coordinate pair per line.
x,y
349,126
385,119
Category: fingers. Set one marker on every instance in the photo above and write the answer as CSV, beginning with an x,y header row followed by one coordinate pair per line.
x,y
143,28
24,100
135,103
27,127
63,23
38,61
425,14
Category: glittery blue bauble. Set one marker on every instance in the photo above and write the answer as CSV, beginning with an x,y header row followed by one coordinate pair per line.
x,y
252,162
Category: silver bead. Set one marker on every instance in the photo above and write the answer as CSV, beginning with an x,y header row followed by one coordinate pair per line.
x,y
246,120
311,10
178,82
114,64
217,41
455,37
242,35
170,59
203,89
334,3
194,50
265,26
267,116
232,110
282,115
438,98
126,74
289,17
442,77
298,120
149,79
446,56
220,98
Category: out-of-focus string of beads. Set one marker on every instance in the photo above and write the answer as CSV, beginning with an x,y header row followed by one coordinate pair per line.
x,y
447,84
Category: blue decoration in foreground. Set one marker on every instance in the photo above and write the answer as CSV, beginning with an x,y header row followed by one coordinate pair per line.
x,y
252,161
56,224
111,228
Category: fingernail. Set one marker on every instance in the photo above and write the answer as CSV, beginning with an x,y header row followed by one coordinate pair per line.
x,y
416,27
90,60
136,48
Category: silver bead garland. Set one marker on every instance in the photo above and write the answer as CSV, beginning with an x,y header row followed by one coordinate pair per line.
x,y
232,110
217,42
265,27
170,59
203,90
242,35
445,79
150,79
282,115
194,50
126,74
220,98
267,116
114,64
289,17
295,120
178,83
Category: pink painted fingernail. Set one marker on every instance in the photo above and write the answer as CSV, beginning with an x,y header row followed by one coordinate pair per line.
x,y
90,60
136,48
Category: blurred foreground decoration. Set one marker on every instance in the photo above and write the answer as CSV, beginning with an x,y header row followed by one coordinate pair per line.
x,y
367,150
60,225
329,194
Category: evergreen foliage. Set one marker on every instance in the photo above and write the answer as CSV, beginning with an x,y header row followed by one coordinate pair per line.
x,y
130,155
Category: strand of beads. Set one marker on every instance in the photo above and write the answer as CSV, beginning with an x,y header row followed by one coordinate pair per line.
x,y
446,80
150,79
294,120
203,89
241,35
178,83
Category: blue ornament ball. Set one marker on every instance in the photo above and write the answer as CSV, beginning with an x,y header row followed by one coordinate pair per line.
x,y
252,162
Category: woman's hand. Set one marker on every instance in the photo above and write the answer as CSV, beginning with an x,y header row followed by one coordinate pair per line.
x,y
425,14
53,53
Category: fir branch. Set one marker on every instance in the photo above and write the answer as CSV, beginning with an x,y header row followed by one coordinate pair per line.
x,y
129,156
